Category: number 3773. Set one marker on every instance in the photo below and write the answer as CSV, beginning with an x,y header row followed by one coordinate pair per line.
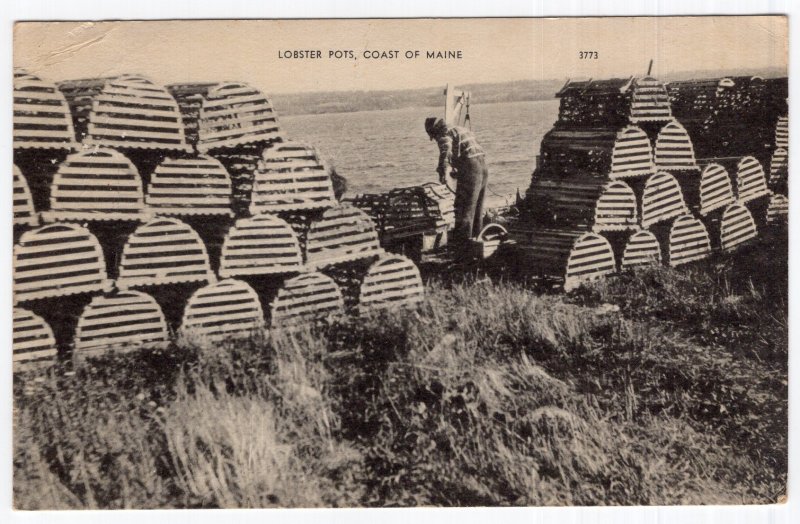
x,y
588,55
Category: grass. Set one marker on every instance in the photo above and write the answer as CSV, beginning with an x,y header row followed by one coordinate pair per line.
x,y
659,387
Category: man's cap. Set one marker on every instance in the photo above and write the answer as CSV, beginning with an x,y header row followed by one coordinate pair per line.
x,y
433,124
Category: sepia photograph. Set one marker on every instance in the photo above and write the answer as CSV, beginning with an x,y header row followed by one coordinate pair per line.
x,y
400,262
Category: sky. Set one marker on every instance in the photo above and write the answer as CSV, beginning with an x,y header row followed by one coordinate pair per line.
x,y
492,50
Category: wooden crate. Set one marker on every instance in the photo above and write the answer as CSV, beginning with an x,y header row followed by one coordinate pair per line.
x,y
226,115
291,176
688,241
343,234
305,298
190,187
161,252
750,180
33,343
128,111
488,241
737,227
391,281
662,200
57,260
24,212
641,250
42,119
119,322
261,245
96,185
221,311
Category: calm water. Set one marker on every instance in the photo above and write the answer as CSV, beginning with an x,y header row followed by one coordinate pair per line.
x,y
379,150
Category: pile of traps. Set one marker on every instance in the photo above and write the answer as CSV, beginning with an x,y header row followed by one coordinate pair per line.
x,y
145,213
620,181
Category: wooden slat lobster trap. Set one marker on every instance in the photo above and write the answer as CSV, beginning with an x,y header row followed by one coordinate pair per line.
x,y
261,245
190,187
674,150
641,250
716,189
33,343
122,321
568,256
343,234
782,132
42,118
225,310
24,212
778,210
779,170
305,298
57,260
662,200
649,101
96,185
128,112
688,241
225,115
291,176
737,227
750,180
391,281
161,252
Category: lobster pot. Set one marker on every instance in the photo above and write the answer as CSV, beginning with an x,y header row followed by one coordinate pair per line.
x,y
779,171
595,103
120,322
650,101
778,210
25,215
34,345
642,249
688,241
632,155
42,118
737,227
241,163
57,260
126,112
343,234
162,252
662,200
390,281
291,177
261,245
188,187
445,200
569,256
674,150
591,204
226,310
488,241
782,132
96,185
225,115
715,189
305,298
413,217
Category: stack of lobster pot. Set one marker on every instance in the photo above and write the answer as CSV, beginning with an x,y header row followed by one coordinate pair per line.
x,y
581,216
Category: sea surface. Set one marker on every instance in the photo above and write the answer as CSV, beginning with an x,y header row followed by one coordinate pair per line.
x,y
380,150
